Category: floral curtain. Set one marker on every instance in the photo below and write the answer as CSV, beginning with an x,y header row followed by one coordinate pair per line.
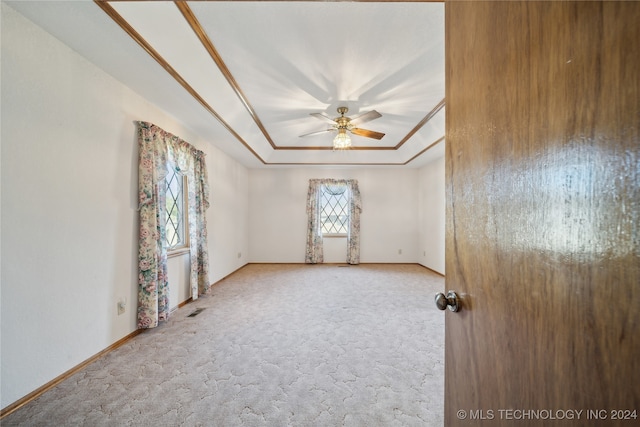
x,y
353,237
158,148
198,204
314,251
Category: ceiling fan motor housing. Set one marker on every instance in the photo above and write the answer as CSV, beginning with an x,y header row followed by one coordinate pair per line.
x,y
342,121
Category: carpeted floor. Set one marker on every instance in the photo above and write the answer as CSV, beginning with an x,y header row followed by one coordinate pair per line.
x,y
275,345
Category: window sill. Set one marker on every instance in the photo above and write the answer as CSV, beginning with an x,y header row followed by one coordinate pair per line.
x,y
334,235
178,252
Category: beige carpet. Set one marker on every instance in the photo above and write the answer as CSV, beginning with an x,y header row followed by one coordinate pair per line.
x,y
276,345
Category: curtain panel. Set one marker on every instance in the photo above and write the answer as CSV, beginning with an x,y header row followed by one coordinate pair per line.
x,y
198,205
353,237
314,249
314,253
158,148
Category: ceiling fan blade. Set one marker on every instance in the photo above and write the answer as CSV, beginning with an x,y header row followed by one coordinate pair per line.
x,y
367,133
324,118
318,132
366,117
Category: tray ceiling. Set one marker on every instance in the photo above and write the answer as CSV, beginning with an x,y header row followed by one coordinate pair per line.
x,y
247,75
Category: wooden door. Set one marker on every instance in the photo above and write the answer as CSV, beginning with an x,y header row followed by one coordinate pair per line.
x,y
543,202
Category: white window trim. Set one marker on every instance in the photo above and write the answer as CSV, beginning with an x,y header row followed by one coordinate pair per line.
x,y
334,235
185,247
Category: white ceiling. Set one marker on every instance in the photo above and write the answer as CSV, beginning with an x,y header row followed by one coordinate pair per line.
x,y
278,62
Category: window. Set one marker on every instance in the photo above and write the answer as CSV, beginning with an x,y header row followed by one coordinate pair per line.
x,y
175,226
334,212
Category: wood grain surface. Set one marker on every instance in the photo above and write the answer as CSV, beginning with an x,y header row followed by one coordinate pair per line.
x,y
543,202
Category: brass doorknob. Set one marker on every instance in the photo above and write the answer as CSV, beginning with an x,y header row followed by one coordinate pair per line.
x,y
451,300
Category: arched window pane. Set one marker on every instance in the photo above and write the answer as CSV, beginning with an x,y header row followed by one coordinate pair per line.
x,y
334,213
175,225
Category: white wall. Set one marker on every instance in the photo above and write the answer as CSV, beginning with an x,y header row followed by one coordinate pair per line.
x,y
69,218
178,275
278,219
432,215
228,216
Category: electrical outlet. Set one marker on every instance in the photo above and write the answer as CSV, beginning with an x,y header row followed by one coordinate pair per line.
x,y
122,305
239,254
399,251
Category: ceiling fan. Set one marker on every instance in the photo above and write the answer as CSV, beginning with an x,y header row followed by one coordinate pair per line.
x,y
343,124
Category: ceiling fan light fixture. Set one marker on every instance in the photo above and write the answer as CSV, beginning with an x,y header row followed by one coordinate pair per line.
x,y
345,125
342,140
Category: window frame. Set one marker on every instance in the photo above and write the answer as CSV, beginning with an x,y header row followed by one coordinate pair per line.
x,y
184,246
344,210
